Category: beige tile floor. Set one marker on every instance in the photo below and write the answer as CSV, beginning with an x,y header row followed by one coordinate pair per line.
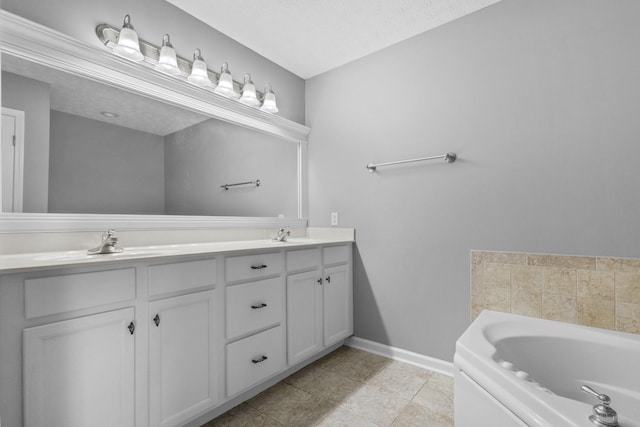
x,y
351,388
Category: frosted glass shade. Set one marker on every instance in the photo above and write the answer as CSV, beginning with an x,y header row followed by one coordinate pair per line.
x,y
167,62
225,83
249,92
199,75
128,44
269,101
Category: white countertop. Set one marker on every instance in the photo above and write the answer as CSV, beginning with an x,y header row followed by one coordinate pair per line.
x,y
15,263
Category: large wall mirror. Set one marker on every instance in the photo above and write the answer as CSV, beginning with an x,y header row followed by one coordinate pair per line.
x,y
72,144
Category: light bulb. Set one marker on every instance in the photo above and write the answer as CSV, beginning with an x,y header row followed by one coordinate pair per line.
x,y
249,92
269,101
128,44
199,75
167,62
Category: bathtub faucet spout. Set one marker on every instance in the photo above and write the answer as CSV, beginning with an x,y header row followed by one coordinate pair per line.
x,y
603,414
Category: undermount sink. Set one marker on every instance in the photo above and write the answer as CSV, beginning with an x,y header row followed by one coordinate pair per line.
x,y
83,255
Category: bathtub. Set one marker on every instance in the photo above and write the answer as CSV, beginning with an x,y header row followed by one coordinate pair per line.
x,y
519,371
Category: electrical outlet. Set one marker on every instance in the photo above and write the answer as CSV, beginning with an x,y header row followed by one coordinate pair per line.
x,y
334,218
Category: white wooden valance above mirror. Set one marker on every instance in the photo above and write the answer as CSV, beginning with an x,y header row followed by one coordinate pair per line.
x,y
24,42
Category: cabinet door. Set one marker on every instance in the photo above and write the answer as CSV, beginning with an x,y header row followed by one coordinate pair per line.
x,y
338,304
182,357
80,372
304,316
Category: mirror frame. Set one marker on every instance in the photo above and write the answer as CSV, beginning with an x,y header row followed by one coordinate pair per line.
x,y
34,42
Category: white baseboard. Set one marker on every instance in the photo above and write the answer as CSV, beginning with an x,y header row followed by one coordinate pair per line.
x,y
401,355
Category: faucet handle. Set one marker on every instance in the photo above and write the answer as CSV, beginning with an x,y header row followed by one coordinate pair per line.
x,y
603,414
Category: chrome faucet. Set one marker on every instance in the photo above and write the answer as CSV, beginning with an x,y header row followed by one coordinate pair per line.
x,y
282,235
109,244
603,414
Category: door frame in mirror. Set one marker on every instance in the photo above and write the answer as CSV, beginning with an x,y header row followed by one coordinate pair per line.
x,y
34,42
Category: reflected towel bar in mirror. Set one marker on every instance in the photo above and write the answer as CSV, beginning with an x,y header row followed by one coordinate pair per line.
x,y
449,158
256,183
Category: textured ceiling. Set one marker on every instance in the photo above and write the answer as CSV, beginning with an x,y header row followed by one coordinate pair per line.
x,y
86,98
309,37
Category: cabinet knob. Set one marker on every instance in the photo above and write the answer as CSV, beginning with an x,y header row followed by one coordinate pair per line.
x,y
319,280
259,359
156,320
258,267
258,306
328,279
131,327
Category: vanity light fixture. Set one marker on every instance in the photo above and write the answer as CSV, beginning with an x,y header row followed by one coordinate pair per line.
x,y
249,96
124,42
128,44
167,62
269,100
225,83
199,75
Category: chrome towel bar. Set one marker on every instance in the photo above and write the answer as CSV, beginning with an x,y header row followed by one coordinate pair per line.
x,y
449,158
256,183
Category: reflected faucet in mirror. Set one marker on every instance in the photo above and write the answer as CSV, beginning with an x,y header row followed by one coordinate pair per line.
x,y
109,244
282,235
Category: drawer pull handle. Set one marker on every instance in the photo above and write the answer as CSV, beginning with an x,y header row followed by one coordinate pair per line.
x,y
258,267
131,327
328,279
258,306
156,320
259,359
319,281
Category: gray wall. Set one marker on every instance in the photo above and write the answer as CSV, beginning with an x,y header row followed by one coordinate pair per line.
x,y
201,158
32,97
97,167
540,100
152,19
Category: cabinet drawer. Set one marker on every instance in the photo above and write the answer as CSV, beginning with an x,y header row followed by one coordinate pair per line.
x,y
248,267
254,305
303,259
253,359
60,294
335,254
181,276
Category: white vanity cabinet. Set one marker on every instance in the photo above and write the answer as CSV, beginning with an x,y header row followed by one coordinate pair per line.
x,y
254,306
80,371
183,347
319,300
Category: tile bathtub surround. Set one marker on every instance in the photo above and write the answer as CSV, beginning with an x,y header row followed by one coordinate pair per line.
x,y
591,291
350,387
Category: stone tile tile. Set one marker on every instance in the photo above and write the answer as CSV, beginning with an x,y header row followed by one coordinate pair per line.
x,y
332,387
477,305
243,415
627,287
497,299
595,299
437,395
305,376
504,257
334,358
562,261
559,307
294,407
271,397
401,378
342,418
496,276
360,365
375,404
414,415
477,274
618,264
526,290
628,317
560,281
